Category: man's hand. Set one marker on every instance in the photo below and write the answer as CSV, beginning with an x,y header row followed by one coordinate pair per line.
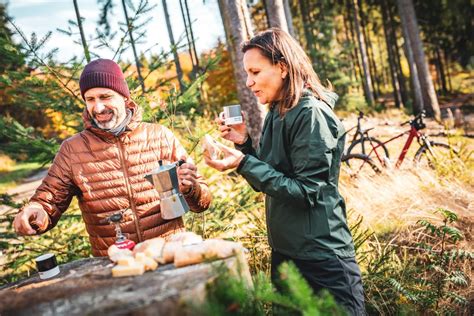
x,y
231,160
187,176
236,133
31,220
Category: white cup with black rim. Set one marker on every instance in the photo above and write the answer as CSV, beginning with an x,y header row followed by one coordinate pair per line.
x,y
232,114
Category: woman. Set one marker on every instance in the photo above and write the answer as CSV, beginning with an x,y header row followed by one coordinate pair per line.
x,y
297,167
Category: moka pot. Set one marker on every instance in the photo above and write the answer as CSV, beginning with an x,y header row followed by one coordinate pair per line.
x,y
165,180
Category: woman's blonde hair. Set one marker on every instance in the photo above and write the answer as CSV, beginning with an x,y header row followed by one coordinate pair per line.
x,y
279,47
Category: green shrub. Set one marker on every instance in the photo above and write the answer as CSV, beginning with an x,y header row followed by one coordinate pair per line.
x,y
231,295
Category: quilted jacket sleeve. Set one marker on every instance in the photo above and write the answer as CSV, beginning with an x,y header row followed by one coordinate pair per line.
x,y
57,189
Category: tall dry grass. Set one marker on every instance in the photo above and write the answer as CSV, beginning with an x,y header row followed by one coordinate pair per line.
x,y
397,198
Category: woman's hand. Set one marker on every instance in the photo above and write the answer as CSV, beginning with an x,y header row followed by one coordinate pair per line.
x,y
236,133
231,159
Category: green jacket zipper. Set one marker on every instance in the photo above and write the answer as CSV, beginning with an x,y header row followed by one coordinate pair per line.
x,y
129,190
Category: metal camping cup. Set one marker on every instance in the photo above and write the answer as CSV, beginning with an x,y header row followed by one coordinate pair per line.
x,y
232,114
47,266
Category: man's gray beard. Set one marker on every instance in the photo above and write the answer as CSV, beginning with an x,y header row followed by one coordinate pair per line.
x,y
113,123
108,125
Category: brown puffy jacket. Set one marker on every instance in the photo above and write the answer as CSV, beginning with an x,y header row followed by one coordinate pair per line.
x,y
106,173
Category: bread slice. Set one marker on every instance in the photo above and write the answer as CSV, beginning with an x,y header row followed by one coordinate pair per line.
x,y
128,270
210,147
149,263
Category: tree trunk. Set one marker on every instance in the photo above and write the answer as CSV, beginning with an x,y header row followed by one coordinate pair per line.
x,y
352,59
276,14
86,287
448,74
442,75
396,52
353,40
132,42
289,17
186,31
369,49
430,100
191,34
384,68
391,58
366,80
418,104
307,26
236,20
81,31
179,71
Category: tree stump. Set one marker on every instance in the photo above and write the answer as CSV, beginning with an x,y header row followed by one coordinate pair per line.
x,y
86,287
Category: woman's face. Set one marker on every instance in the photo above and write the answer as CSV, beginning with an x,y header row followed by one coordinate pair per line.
x,y
263,78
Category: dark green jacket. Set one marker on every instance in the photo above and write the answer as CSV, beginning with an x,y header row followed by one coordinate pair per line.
x,y
297,167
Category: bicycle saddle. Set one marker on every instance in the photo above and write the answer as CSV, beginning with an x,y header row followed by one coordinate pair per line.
x,y
363,131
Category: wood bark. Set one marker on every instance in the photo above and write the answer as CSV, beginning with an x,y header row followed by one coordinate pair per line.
x,y
430,100
289,17
179,71
396,52
81,31
191,34
86,287
358,67
418,104
186,31
441,72
132,43
382,65
237,26
308,29
368,46
366,80
448,74
352,59
276,14
391,58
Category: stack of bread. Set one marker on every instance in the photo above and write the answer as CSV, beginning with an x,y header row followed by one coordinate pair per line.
x,y
182,249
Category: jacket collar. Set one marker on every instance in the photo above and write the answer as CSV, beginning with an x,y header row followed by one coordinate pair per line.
x,y
134,121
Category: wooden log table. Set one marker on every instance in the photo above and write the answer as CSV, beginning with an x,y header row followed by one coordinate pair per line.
x,y
86,287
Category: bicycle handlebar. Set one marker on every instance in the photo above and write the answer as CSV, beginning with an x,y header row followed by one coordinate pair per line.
x,y
417,121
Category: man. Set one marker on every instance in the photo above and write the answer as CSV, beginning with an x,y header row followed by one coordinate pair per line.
x,y
105,164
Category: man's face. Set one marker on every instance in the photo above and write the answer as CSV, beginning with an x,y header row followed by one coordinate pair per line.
x,y
106,107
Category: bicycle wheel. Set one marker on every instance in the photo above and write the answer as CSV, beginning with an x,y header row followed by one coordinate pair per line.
x,y
437,154
357,165
362,146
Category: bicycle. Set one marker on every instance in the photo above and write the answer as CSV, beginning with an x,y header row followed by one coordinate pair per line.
x,y
433,152
355,164
361,137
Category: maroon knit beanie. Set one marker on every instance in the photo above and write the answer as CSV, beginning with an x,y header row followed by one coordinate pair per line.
x,y
103,73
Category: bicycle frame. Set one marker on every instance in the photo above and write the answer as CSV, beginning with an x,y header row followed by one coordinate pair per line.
x,y
412,133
